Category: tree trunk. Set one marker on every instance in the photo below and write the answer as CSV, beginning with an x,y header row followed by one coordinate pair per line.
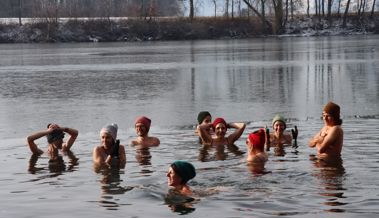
x,y
232,9
316,7
227,8
330,12
287,10
263,8
339,7
19,12
278,8
263,19
308,8
323,8
345,14
291,9
373,9
191,14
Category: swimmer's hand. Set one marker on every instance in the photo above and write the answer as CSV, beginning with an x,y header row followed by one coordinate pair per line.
x,y
116,148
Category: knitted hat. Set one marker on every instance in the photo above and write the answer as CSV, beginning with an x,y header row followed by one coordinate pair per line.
x,y
184,169
217,121
111,130
278,117
145,121
202,115
56,134
258,139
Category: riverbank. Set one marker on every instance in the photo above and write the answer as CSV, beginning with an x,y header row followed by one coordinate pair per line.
x,y
107,30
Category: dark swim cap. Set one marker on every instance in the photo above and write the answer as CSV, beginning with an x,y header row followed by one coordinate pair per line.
x,y
184,169
202,115
56,134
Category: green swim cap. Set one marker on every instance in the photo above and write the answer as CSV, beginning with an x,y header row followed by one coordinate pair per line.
x,y
278,117
184,169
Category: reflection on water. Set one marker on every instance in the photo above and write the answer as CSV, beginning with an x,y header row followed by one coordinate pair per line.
x,y
179,203
111,186
56,165
143,156
209,152
331,174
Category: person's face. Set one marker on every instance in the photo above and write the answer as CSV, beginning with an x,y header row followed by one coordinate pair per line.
x,y
207,120
58,143
220,130
106,140
141,129
328,119
173,179
279,127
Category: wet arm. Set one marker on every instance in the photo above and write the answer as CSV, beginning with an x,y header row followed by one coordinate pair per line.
x,y
240,127
329,140
316,139
96,156
32,145
204,135
73,135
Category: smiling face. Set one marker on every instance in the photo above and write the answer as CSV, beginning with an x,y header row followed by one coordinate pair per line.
x,y
106,140
173,179
141,129
279,127
220,130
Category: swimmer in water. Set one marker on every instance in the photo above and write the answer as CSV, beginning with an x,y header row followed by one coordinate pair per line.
x,y
204,117
329,139
255,143
279,137
143,140
179,173
55,135
110,152
220,127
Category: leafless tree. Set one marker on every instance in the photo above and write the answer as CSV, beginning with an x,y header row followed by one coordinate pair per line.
x,y
215,2
373,9
345,14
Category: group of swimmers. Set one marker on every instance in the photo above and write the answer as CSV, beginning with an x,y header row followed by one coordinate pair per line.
x,y
111,153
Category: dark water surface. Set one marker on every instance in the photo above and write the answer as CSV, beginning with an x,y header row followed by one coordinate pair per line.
x,y
86,86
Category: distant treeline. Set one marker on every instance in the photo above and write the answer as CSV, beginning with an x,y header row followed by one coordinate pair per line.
x,y
274,14
109,30
89,8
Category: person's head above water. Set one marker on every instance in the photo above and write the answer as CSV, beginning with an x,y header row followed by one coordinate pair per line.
x,y
333,110
218,121
279,118
204,115
144,121
55,135
185,170
110,129
257,139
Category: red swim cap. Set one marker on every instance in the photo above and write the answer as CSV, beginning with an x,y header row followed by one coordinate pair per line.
x,y
258,139
217,121
145,121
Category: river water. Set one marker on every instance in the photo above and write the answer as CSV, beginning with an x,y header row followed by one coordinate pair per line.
x,y
86,86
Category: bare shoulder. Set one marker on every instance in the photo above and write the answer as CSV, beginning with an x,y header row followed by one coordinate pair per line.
x,y
336,130
97,148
